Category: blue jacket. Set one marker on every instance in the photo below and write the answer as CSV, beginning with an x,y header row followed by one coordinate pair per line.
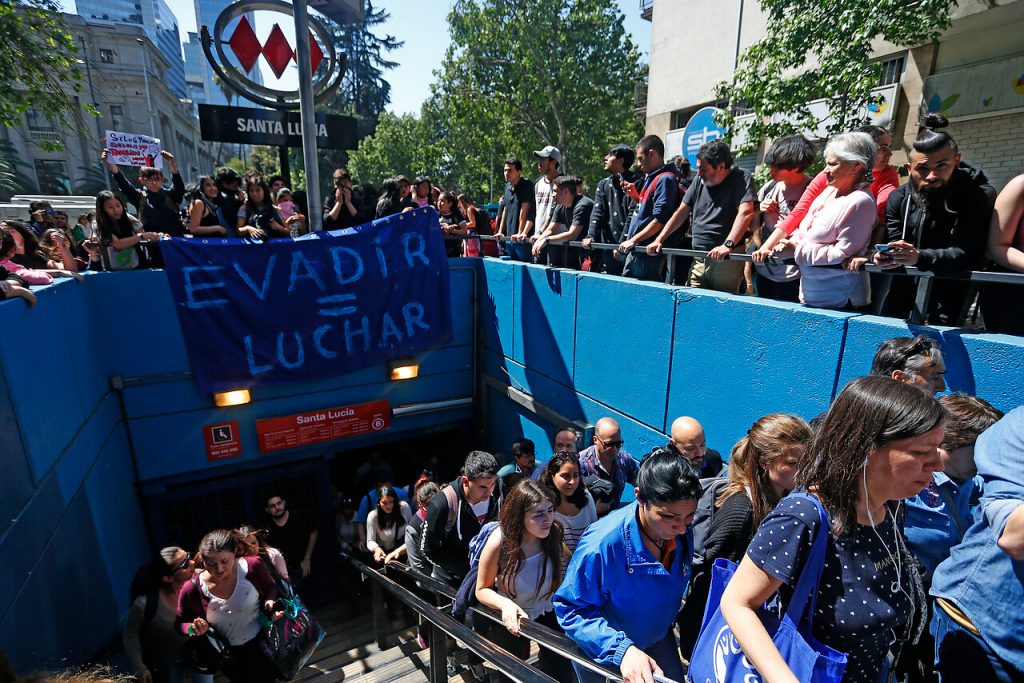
x,y
929,523
615,593
658,202
979,578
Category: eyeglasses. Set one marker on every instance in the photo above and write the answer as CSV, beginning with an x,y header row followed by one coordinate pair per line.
x,y
611,444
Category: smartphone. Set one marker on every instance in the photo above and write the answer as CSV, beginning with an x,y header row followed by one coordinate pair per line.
x,y
884,251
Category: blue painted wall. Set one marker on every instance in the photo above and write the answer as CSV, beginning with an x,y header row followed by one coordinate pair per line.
x,y
71,529
586,345
591,345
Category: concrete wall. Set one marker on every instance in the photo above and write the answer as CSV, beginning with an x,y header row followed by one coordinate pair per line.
x,y
591,345
71,529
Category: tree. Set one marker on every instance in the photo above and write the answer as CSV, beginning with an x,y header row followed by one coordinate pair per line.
x,y
518,76
821,49
395,148
12,179
49,85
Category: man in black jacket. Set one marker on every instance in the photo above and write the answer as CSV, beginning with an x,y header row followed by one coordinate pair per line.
x,y
613,209
939,222
456,515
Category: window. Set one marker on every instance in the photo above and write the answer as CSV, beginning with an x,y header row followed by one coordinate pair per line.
x,y
53,176
106,55
116,117
892,71
37,120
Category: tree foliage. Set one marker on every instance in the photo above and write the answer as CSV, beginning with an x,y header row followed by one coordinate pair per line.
x,y
516,77
821,49
38,66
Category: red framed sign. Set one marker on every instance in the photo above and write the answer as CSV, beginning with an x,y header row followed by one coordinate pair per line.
x,y
326,424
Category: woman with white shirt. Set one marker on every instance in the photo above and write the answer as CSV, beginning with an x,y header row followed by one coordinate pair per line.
x,y
385,526
837,226
575,509
229,595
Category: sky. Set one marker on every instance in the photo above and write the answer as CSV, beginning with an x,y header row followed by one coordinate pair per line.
x,y
425,36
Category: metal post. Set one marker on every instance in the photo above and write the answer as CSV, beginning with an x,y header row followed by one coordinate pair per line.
x,y
307,115
924,294
438,654
670,278
380,616
286,171
145,81
92,94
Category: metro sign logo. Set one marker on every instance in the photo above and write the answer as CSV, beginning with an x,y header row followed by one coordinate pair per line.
x,y
277,51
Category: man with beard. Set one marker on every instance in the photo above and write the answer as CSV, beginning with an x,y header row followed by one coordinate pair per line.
x,y
938,222
293,533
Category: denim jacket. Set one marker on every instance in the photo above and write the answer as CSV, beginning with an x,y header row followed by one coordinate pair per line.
x,y
929,523
615,593
979,578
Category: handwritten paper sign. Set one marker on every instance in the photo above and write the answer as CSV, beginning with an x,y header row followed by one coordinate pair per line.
x,y
310,308
132,149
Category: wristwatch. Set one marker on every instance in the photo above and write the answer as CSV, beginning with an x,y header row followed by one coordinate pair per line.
x,y
729,244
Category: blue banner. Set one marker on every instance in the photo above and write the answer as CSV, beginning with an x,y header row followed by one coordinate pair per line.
x,y
318,306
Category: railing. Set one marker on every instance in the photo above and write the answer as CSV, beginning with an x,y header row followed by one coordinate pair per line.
x,y
440,622
925,278
440,625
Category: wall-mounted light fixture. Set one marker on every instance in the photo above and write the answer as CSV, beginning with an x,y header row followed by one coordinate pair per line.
x,y
404,368
235,397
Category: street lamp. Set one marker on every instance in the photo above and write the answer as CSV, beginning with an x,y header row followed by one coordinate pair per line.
x,y
145,80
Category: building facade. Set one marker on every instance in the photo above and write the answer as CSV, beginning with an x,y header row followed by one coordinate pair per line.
x,y
974,75
207,12
161,27
127,101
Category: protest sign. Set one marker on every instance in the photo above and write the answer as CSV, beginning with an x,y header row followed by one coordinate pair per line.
x,y
132,149
295,310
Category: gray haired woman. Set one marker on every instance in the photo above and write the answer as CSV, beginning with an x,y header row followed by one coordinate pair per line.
x,y
838,226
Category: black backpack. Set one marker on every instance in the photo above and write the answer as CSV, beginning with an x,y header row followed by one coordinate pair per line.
x,y
705,513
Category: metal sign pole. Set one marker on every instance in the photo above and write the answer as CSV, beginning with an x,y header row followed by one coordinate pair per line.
x,y
308,115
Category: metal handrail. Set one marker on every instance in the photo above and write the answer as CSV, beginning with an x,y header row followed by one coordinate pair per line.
x,y
540,634
510,665
925,278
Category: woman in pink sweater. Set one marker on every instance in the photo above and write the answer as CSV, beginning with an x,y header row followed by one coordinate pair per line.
x,y
838,225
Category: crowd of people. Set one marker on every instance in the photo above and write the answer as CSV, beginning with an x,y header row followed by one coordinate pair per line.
x,y
808,238
913,497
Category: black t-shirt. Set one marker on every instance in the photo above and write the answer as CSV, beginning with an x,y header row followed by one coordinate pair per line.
x,y
292,538
229,206
577,214
514,198
713,209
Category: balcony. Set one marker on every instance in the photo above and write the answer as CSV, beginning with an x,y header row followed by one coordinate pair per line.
x,y
646,9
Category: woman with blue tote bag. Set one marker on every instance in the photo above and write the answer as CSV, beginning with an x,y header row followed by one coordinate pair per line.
x,y
830,556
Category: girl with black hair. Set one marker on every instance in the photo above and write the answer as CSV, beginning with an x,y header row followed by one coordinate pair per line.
x,y
575,509
204,216
390,201
520,569
121,234
151,642
257,218
385,526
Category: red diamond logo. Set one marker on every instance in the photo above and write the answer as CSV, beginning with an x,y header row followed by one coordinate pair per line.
x,y
277,51
316,55
245,44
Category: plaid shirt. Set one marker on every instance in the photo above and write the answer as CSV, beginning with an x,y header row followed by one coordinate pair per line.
x,y
624,469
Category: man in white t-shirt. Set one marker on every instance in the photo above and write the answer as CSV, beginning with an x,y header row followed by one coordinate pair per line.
x,y
549,162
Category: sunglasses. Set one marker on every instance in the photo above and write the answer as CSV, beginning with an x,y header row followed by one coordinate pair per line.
x,y
610,444
184,564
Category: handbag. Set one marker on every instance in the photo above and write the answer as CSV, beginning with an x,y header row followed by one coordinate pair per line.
x,y
208,653
718,658
123,259
290,641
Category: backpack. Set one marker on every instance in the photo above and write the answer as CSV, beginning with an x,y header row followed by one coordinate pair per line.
x,y
465,597
703,516
453,509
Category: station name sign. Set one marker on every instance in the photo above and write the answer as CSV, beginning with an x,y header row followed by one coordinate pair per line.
x,y
318,426
274,128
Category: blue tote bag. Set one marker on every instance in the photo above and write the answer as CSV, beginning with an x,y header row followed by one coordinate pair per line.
x,y
717,657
